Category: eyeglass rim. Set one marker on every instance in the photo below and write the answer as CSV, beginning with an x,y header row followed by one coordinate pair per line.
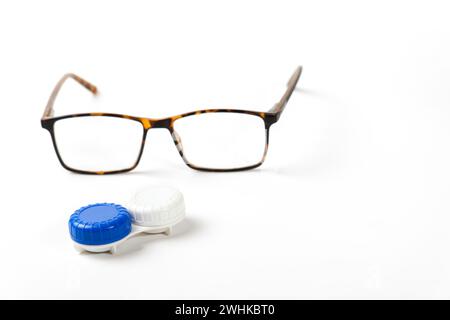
x,y
268,118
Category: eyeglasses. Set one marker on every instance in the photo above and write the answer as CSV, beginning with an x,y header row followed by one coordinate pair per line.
x,y
209,140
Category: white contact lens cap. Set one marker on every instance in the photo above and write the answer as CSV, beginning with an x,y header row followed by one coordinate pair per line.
x,y
157,206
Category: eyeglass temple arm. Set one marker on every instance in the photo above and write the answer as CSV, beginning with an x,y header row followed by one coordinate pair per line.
x,y
48,112
292,83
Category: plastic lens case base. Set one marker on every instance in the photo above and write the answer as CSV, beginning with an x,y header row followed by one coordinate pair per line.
x,y
135,230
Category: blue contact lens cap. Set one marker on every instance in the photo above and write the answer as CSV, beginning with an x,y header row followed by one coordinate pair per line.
x,y
99,224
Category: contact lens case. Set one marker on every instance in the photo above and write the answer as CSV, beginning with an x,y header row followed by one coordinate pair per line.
x,y
102,227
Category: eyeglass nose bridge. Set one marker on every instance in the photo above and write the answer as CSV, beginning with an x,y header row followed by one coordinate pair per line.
x,y
165,123
162,123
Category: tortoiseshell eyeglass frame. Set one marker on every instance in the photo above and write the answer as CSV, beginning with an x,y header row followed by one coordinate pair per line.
x,y
270,117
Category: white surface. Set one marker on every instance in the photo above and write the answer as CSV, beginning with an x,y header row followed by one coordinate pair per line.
x,y
352,201
156,206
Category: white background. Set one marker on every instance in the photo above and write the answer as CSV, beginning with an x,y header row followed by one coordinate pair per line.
x,y
352,201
